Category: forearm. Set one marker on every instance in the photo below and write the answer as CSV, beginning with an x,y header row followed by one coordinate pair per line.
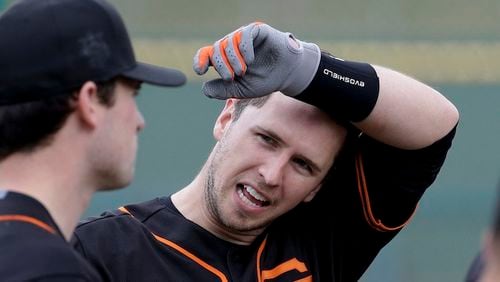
x,y
386,105
408,114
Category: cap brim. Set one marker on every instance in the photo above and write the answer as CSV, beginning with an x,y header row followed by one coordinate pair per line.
x,y
155,75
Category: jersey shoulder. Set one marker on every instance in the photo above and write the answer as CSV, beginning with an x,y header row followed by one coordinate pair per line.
x,y
116,228
34,254
129,215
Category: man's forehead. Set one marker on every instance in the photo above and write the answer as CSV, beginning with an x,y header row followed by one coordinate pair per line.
x,y
294,121
282,107
290,119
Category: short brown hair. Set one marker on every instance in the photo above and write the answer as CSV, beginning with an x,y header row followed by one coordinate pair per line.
x,y
27,126
241,104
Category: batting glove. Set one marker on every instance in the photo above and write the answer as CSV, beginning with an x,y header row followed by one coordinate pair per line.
x,y
257,60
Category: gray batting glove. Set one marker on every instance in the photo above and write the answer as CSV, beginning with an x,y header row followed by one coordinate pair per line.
x,y
257,60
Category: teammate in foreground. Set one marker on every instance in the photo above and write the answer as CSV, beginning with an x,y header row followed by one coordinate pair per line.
x,y
68,127
305,184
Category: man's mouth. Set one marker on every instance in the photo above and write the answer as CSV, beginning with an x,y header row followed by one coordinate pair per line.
x,y
251,197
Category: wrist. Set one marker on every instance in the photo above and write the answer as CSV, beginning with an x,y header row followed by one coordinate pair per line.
x,y
304,72
346,90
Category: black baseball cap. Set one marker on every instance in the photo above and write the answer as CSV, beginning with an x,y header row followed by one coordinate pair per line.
x,y
50,47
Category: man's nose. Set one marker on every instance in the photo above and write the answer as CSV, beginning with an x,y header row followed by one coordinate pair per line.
x,y
273,170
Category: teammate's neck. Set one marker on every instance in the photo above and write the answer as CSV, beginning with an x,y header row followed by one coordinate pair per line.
x,y
51,183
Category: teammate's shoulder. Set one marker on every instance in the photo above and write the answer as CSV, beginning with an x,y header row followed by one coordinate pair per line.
x,y
103,237
49,256
129,214
145,210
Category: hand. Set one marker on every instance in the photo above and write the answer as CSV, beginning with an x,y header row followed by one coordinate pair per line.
x,y
257,60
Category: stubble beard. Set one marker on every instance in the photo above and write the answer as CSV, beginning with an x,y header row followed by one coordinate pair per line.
x,y
210,197
212,194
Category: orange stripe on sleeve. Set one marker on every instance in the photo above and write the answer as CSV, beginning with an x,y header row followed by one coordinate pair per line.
x,y
28,219
366,204
124,210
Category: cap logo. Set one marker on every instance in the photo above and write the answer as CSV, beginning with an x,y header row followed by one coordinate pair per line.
x,y
95,49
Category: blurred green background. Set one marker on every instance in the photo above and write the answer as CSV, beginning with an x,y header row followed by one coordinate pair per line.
x,y
453,45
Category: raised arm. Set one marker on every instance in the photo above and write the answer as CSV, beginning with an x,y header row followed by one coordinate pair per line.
x,y
408,114
391,107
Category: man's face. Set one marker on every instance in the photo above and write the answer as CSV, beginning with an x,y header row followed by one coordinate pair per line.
x,y
268,161
116,145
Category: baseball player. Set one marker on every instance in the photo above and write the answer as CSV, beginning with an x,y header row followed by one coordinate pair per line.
x,y
68,127
305,184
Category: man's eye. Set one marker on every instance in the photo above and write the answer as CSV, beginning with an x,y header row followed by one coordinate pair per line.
x,y
303,165
266,139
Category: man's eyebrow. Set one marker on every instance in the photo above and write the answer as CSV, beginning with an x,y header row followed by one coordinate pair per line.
x,y
278,139
272,135
312,164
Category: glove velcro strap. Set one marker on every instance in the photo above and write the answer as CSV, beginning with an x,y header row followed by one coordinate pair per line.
x,y
346,90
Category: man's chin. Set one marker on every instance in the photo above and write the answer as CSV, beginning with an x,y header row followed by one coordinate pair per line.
x,y
118,184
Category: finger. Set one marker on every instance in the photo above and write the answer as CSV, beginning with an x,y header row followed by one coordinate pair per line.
x,y
233,54
201,59
220,61
218,89
245,41
260,33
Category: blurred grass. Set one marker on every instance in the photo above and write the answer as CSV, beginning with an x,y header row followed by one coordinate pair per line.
x,y
318,19
438,41
433,62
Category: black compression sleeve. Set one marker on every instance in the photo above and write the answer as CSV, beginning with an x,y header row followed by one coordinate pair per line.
x,y
346,90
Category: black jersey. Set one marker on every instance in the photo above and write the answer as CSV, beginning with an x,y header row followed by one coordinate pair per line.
x,y
370,195
32,247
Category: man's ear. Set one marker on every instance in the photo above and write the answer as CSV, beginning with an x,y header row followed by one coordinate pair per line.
x,y
87,104
224,120
312,194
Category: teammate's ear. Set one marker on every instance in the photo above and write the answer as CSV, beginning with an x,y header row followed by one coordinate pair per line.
x,y
312,194
224,120
86,104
